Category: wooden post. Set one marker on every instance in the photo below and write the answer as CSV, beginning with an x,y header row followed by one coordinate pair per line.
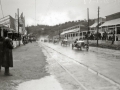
x,y
115,32
113,39
88,29
18,27
98,27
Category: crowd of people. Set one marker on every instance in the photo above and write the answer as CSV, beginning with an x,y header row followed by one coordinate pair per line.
x,y
26,39
100,36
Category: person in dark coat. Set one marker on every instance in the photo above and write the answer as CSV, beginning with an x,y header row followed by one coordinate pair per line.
x,y
75,42
23,40
8,57
1,50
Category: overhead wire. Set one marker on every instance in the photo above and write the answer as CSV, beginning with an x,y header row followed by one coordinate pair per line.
x,y
58,6
50,5
48,8
1,8
35,12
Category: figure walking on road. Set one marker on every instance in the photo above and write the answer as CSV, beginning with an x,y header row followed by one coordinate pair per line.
x,y
8,57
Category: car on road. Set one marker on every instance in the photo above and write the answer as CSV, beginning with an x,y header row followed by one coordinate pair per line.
x,y
80,45
65,42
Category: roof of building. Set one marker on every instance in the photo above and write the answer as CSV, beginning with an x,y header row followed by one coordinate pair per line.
x,y
111,22
4,26
113,14
70,31
94,25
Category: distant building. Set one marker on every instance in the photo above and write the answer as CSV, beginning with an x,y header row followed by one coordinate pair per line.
x,y
8,21
21,24
7,24
113,16
74,32
112,25
10,25
93,28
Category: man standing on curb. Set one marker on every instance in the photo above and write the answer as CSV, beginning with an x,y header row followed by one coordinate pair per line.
x,y
8,57
1,50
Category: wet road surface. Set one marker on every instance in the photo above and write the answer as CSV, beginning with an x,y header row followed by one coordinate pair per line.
x,y
61,68
103,61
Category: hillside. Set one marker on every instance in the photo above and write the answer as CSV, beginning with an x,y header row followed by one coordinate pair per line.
x,y
55,30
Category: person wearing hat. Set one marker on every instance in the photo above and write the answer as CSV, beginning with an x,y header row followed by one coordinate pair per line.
x,y
8,57
1,50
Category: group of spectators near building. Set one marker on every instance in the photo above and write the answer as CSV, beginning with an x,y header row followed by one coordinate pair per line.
x,y
103,36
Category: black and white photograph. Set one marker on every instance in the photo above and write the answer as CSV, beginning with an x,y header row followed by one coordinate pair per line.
x,y
59,44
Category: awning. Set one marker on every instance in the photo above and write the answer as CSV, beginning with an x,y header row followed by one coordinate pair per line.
x,y
70,31
7,28
94,25
111,22
3,26
11,30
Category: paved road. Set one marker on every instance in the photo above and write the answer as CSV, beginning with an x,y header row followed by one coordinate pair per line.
x,y
29,64
104,61
35,69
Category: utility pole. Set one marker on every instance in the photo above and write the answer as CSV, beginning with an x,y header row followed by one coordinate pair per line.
x,y
98,26
35,13
59,33
88,29
18,27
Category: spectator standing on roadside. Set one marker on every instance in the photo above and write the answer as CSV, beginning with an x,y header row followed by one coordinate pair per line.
x,y
8,57
23,40
1,50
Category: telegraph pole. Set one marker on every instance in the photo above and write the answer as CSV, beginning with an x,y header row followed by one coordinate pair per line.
x,y
59,33
98,26
18,27
35,13
88,29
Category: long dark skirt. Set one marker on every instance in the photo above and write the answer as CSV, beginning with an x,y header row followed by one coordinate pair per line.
x,y
8,58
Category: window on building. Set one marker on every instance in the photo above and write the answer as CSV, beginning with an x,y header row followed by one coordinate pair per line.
x,y
118,30
84,33
0,31
69,35
73,35
91,28
66,35
80,34
76,34
5,33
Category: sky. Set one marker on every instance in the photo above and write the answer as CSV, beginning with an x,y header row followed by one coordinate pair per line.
x,y
54,12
